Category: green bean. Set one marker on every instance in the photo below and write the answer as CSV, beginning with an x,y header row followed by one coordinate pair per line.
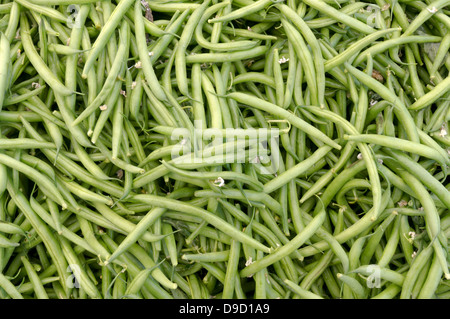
x,y
194,286
323,22
401,144
384,45
49,12
411,276
197,94
354,285
286,249
400,108
231,273
43,70
116,138
303,293
431,215
216,175
376,236
14,15
159,109
371,165
28,287
335,247
185,38
171,29
355,253
216,256
54,211
278,77
213,102
34,279
221,57
5,8
63,49
66,232
4,67
190,161
195,211
170,243
52,123
137,283
421,278
127,166
309,66
430,97
129,264
328,10
11,228
241,12
147,262
110,80
123,223
253,33
15,98
355,48
274,239
278,111
314,273
41,228
244,195
85,193
110,103
88,163
6,243
424,15
389,293
77,270
351,204
9,288
44,182
383,273
358,227
296,170
171,7
24,143
440,55
105,34
391,245
135,100
229,46
76,38
143,225
144,57
419,172
214,273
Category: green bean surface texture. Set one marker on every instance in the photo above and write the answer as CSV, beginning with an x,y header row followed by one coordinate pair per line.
x,y
238,149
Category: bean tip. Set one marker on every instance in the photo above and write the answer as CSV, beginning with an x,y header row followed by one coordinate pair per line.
x,y
174,286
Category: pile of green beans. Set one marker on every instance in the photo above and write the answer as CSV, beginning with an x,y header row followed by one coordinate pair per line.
x,y
353,203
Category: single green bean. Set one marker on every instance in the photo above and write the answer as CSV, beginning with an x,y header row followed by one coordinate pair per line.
x,y
106,32
9,287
